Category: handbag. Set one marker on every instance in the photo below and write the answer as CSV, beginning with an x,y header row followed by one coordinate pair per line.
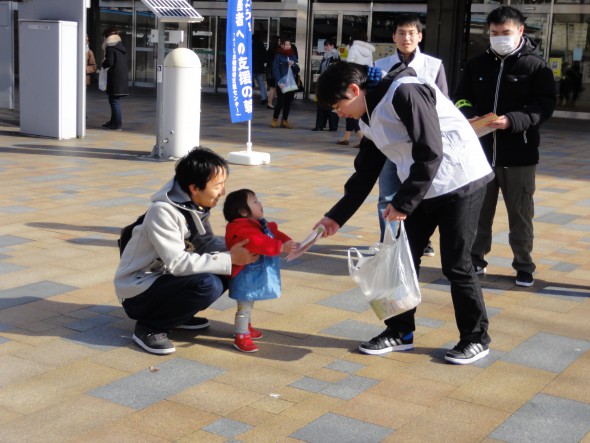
x,y
260,280
287,83
102,79
299,82
386,275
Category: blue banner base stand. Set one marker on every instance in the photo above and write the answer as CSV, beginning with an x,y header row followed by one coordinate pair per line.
x,y
249,157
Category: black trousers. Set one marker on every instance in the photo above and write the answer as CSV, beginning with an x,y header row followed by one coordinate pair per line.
x,y
324,116
172,301
457,224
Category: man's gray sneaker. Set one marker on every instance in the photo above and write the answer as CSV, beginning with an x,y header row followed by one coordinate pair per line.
x,y
387,341
467,352
154,342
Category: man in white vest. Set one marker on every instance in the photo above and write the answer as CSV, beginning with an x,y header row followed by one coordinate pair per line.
x,y
407,34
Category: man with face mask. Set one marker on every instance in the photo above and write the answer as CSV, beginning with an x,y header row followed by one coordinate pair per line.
x,y
512,81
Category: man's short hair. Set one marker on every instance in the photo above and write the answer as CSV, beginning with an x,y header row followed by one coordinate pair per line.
x,y
408,19
503,14
329,41
198,167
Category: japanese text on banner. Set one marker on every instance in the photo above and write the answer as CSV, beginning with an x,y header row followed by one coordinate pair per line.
x,y
239,59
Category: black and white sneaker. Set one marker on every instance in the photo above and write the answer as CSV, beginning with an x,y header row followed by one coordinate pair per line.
x,y
154,342
387,341
524,279
195,323
480,270
428,250
467,352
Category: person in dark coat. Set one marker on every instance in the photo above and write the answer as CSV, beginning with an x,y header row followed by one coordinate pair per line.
x,y
273,44
512,81
259,66
115,59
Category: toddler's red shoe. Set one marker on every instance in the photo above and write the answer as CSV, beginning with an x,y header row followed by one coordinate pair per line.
x,y
254,333
244,343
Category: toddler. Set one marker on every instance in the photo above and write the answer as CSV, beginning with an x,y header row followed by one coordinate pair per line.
x,y
259,280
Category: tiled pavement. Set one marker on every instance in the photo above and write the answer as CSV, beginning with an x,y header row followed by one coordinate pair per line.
x,y
70,373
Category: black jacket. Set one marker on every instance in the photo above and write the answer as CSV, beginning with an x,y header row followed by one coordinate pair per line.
x,y
520,86
258,57
117,75
415,104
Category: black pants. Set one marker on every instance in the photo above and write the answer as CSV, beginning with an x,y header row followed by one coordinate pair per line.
x,y
283,103
457,223
172,301
324,116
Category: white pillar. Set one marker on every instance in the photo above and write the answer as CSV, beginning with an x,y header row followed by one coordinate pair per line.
x,y
181,126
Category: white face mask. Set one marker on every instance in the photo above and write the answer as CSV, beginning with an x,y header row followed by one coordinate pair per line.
x,y
503,44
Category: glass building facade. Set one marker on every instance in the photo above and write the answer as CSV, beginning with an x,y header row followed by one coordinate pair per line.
x,y
560,27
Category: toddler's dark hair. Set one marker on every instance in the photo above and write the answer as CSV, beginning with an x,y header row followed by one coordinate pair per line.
x,y
236,203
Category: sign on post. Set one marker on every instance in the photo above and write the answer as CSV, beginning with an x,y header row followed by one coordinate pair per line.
x,y
238,59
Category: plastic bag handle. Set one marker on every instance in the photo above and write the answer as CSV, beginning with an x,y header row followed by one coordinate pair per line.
x,y
359,256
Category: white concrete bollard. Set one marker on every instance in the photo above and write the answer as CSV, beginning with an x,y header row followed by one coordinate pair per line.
x,y
181,127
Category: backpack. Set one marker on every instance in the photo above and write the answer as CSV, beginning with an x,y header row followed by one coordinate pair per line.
x,y
127,231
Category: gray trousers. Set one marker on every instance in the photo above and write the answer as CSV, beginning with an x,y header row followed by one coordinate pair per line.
x,y
517,184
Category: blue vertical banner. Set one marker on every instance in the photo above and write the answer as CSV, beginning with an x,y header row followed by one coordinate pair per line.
x,y
238,59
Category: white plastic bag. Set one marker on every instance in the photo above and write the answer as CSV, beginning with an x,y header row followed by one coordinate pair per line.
x,y
387,278
288,83
102,79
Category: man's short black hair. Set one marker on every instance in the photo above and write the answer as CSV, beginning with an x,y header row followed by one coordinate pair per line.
x,y
236,203
332,85
407,18
503,14
198,167
329,41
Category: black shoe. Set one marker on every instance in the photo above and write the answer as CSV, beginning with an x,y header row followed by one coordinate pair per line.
x,y
467,352
524,279
269,107
387,341
333,130
107,125
428,250
317,129
263,102
480,270
195,323
152,341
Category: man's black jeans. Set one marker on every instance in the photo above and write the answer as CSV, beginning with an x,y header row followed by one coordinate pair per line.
x,y
172,301
457,220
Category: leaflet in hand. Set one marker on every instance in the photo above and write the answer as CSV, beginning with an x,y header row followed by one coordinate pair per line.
x,y
307,243
480,124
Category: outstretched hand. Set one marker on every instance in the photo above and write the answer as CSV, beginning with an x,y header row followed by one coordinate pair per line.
x,y
240,255
331,227
289,247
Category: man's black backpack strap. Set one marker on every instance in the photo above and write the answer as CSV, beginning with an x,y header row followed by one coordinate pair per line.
x,y
127,231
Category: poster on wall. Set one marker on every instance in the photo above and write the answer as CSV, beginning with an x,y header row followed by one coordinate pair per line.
x,y
238,59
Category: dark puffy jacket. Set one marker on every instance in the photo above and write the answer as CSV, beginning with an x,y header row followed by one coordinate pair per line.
x,y
117,75
520,86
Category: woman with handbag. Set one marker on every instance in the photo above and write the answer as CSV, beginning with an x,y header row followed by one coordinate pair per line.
x,y
115,60
260,280
284,66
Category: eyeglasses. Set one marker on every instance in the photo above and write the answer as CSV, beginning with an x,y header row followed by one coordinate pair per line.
x,y
410,34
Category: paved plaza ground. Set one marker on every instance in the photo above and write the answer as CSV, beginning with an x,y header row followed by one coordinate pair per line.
x,y
69,371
